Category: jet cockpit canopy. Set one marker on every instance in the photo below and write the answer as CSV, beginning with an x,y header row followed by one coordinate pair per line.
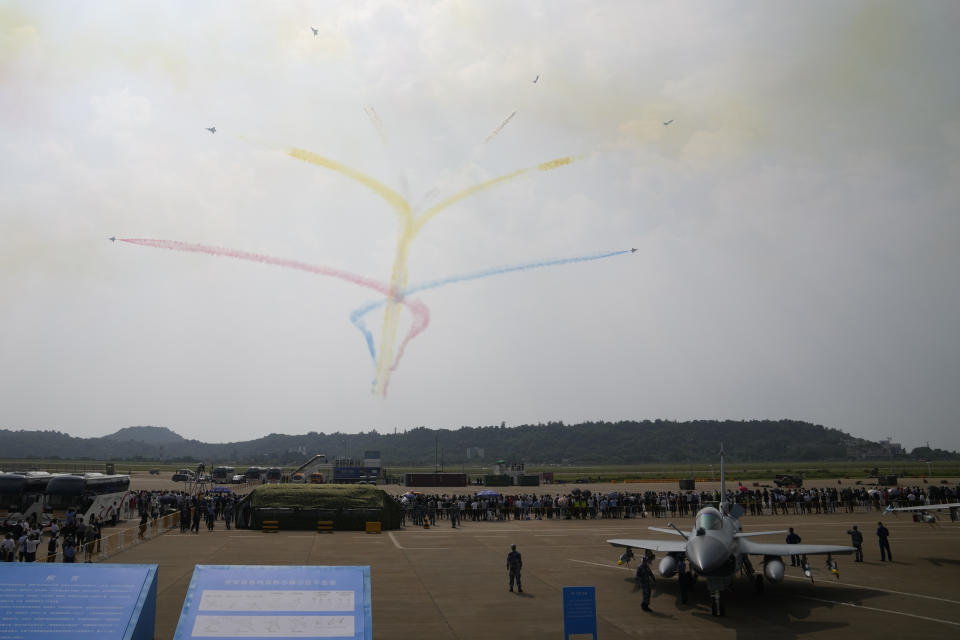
x,y
709,518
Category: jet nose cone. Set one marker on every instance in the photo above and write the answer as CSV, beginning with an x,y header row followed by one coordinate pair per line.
x,y
706,553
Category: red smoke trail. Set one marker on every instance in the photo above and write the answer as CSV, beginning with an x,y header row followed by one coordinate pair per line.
x,y
421,315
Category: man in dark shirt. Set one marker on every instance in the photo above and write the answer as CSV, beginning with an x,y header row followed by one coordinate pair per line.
x,y
883,534
645,579
856,539
514,565
793,538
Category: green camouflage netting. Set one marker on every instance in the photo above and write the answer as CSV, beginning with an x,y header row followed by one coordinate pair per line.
x,y
300,506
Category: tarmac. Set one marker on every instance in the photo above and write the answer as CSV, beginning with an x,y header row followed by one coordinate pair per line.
x,y
442,583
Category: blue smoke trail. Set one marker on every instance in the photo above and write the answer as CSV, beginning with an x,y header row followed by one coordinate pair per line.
x,y
356,317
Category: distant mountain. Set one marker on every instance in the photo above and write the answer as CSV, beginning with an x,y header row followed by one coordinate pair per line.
x,y
591,443
149,435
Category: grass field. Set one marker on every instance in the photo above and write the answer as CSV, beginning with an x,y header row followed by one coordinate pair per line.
x,y
613,473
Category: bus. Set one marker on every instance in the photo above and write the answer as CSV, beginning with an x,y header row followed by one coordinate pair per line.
x,y
223,474
21,496
90,494
254,474
274,474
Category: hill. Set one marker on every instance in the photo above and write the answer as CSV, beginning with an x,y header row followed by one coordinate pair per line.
x,y
149,435
603,443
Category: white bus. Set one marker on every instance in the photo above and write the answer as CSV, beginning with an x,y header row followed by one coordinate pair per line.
x,y
21,496
90,494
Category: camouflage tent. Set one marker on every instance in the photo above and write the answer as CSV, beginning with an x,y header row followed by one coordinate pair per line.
x,y
300,506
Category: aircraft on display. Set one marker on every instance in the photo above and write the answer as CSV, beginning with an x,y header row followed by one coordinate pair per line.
x,y
717,548
924,510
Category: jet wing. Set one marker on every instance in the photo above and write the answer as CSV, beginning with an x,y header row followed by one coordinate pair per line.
x,y
672,532
924,507
665,546
784,549
757,533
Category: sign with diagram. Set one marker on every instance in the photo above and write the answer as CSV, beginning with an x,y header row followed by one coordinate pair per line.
x,y
229,601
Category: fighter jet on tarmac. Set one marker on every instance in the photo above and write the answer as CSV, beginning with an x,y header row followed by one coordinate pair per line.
x,y
211,129
929,518
717,548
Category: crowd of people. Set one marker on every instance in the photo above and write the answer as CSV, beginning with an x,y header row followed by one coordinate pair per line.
x,y
419,508
72,539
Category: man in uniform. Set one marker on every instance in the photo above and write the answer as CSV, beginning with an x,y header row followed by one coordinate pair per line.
x,y
856,539
883,534
645,579
514,565
793,538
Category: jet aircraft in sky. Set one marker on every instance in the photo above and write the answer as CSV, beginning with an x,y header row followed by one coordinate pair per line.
x,y
632,250
212,129
112,238
534,81
717,548
668,122
314,31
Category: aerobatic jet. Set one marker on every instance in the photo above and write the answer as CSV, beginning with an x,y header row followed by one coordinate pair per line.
x,y
717,549
668,122
212,129
314,31
112,238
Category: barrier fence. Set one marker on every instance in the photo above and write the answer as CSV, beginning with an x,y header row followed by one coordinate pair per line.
x,y
109,544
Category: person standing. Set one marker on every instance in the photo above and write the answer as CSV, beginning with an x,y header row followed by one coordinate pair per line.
x,y
882,535
52,549
856,539
69,549
514,565
645,579
793,538
7,548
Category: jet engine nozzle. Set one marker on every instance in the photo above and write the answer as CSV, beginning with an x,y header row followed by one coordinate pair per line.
x,y
706,553
773,569
668,566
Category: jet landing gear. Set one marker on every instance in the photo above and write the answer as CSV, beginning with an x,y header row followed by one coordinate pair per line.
x,y
717,606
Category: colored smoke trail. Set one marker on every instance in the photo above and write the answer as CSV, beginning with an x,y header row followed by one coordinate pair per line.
x,y
420,312
493,134
356,317
410,225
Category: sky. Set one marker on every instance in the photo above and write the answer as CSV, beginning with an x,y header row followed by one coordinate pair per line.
x,y
796,224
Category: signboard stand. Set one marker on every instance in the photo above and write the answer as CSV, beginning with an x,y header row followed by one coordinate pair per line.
x,y
51,601
579,612
226,601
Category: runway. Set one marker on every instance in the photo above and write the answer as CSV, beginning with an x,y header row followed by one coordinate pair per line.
x,y
443,583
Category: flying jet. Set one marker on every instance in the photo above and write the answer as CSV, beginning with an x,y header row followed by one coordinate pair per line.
x,y
924,509
534,81
632,250
717,548
668,122
212,129
314,31
112,238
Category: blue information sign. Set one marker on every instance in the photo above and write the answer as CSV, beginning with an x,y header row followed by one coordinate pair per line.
x,y
579,611
51,601
226,601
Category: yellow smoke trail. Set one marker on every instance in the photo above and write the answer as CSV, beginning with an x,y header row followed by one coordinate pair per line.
x,y
410,225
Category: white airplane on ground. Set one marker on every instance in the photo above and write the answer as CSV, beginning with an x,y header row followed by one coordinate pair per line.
x,y
923,509
717,548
